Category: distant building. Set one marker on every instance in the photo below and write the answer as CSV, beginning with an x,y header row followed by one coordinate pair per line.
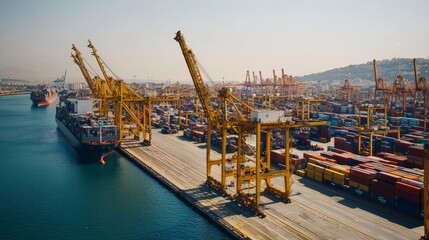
x,y
154,85
76,86
12,80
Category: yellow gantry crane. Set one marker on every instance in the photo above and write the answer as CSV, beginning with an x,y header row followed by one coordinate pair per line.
x,y
218,118
303,107
372,128
251,167
131,111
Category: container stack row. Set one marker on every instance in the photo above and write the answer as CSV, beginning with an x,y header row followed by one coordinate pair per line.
x,y
368,177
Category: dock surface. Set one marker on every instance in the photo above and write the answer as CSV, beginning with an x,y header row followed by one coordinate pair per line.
x,y
316,211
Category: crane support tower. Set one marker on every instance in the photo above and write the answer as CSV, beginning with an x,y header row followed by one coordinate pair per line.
x,y
252,170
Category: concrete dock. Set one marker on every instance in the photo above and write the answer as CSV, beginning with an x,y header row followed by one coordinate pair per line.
x,y
316,211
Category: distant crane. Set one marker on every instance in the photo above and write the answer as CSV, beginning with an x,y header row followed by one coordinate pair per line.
x,y
382,90
60,82
421,93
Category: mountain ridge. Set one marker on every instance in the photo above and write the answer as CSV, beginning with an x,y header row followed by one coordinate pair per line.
x,y
388,69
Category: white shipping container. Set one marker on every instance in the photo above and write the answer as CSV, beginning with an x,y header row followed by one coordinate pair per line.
x,y
82,106
268,116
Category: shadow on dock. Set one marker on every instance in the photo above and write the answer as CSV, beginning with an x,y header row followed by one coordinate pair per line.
x,y
352,201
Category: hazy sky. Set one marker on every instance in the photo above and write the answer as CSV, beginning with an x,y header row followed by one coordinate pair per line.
x,y
228,37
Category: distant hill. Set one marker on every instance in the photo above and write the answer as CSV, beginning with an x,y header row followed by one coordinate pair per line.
x,y
387,69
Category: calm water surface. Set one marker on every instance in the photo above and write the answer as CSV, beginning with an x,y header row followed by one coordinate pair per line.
x,y
47,192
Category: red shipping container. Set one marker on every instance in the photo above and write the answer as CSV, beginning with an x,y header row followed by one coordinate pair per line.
x,y
360,180
415,151
383,189
407,196
338,140
307,156
363,173
336,150
277,157
398,159
415,158
327,154
348,148
395,158
364,166
389,178
341,159
407,189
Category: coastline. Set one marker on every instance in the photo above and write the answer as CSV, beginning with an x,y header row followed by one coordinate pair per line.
x,y
9,93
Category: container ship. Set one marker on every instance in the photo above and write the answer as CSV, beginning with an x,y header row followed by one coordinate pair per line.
x,y
43,96
94,136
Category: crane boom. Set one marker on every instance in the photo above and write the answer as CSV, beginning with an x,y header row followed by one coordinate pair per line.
x,y
77,57
100,64
202,91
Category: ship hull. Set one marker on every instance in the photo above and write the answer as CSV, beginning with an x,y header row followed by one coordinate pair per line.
x,y
91,152
43,102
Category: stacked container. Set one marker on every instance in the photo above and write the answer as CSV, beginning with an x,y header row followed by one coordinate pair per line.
x,y
360,181
415,156
315,172
383,189
408,198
